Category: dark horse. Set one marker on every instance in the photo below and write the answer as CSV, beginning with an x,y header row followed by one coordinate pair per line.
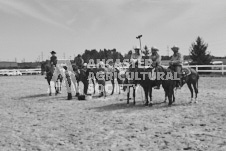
x,y
144,80
190,76
46,67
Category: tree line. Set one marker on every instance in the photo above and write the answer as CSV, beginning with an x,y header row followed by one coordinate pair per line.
x,y
198,54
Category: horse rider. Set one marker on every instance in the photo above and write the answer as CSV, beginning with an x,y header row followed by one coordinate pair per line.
x,y
156,60
79,61
176,64
136,57
53,61
68,83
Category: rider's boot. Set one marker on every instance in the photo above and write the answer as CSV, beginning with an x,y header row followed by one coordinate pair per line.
x,y
101,94
69,96
77,94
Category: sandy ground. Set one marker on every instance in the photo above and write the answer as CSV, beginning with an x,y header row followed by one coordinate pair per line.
x,y
32,120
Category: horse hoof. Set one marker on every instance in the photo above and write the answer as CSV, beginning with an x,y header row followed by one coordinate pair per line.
x,y
77,94
146,104
170,104
150,104
50,94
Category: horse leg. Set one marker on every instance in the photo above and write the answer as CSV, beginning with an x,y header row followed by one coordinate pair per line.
x,y
104,91
94,86
86,85
150,95
77,89
170,96
56,87
191,90
128,95
50,91
196,91
173,96
113,86
134,95
146,95
165,96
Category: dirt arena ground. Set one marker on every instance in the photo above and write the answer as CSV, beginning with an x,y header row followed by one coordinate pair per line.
x,y
32,120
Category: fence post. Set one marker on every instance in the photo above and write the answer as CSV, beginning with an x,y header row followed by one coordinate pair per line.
x,y
196,68
222,69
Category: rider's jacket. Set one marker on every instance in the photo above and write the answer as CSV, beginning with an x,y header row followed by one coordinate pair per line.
x,y
176,59
136,58
53,60
156,59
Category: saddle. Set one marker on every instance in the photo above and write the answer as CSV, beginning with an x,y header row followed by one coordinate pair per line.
x,y
186,71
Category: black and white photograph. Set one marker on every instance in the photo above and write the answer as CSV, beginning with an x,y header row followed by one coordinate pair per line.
x,y
112,75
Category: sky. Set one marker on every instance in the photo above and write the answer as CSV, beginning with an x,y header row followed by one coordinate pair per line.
x,y
29,28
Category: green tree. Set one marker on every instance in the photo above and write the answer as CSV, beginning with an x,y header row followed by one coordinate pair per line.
x,y
198,52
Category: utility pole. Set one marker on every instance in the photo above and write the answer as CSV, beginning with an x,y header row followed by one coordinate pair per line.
x,y
167,50
42,55
139,37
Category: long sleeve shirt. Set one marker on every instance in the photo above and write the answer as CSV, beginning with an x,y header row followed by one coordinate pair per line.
x,y
176,59
156,59
53,60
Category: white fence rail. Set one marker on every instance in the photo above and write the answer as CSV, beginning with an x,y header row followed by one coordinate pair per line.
x,y
214,68
22,71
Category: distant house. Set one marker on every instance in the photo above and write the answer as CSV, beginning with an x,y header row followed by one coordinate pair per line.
x,y
220,60
7,64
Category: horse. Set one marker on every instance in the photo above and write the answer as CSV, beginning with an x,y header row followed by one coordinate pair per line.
x,y
168,84
46,67
191,78
144,79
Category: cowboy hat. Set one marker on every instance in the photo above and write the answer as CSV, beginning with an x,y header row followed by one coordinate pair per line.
x,y
154,49
175,47
136,48
53,52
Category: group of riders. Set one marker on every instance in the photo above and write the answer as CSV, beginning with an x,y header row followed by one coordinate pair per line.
x,y
175,64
